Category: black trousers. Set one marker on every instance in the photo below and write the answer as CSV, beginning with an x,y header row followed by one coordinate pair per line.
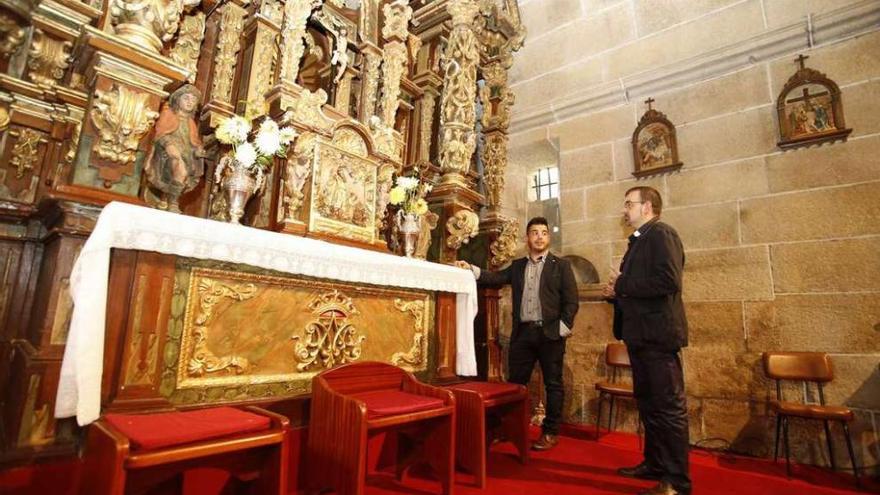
x,y
532,345
658,385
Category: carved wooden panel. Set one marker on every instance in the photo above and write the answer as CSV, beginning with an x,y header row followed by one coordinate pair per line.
x,y
22,162
183,332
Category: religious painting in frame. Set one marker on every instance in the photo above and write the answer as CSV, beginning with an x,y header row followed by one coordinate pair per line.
x,y
810,109
655,148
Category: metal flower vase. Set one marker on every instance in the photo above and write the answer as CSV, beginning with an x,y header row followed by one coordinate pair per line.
x,y
239,183
409,226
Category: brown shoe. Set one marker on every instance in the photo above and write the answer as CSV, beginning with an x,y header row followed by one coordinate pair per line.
x,y
664,488
546,442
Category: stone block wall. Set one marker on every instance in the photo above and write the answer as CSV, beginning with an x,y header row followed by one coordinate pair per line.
x,y
782,247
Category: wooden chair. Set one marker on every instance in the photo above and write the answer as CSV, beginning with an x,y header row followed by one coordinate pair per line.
x,y
356,401
141,453
812,367
617,360
478,404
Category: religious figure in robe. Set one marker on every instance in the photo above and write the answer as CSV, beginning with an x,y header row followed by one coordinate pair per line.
x,y
175,164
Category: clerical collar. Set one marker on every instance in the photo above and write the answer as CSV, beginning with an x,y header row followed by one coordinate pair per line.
x,y
644,228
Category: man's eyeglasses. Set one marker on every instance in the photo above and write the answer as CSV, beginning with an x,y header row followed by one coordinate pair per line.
x,y
628,204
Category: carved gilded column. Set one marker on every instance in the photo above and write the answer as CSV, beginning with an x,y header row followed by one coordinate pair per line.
x,y
395,56
189,43
261,35
286,92
219,96
458,112
372,59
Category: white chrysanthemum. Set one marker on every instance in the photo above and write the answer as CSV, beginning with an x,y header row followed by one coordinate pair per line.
x,y
233,130
268,125
287,135
268,142
246,154
407,183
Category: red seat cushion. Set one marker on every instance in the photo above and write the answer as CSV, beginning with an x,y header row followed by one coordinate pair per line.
x,y
488,390
153,431
391,402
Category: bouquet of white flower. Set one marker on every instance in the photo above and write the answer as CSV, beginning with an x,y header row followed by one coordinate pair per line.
x,y
409,193
268,142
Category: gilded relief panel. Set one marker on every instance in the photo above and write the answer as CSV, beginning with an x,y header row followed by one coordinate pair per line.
x,y
238,333
344,199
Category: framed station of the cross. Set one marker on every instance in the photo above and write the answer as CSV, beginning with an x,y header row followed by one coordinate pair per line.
x,y
810,109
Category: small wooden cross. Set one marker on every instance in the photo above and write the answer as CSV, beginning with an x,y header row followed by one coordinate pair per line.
x,y
649,101
800,60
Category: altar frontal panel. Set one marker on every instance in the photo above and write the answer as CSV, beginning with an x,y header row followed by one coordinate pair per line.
x,y
240,335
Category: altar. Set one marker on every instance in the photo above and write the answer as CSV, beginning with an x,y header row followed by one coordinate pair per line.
x,y
174,311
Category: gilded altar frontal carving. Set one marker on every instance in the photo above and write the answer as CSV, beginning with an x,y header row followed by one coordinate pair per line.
x,y
240,330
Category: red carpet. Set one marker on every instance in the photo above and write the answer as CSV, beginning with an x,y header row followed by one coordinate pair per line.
x,y
583,466
578,465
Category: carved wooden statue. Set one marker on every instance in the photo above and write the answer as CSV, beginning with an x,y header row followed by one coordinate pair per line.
x,y
174,165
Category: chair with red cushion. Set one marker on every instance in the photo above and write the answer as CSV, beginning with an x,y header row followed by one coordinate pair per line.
x,y
135,453
479,404
356,401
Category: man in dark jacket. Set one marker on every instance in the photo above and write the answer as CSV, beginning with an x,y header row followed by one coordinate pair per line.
x,y
545,301
649,318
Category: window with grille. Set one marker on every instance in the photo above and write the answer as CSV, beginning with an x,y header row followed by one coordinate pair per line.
x,y
545,184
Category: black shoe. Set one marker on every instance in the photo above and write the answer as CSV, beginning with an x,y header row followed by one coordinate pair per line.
x,y
642,472
664,488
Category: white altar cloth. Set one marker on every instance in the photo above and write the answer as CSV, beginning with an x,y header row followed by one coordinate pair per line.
x,y
125,226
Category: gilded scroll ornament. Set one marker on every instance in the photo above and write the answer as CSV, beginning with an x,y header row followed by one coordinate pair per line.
x,y
26,151
461,227
495,165
296,13
397,15
203,360
47,58
393,67
272,10
122,118
308,107
416,355
228,45
11,35
330,339
148,23
189,43
504,247
427,223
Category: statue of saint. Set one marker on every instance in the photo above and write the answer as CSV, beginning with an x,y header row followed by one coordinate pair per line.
x,y
174,164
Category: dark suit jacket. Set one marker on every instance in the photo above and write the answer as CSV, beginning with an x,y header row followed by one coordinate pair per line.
x,y
648,311
557,290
